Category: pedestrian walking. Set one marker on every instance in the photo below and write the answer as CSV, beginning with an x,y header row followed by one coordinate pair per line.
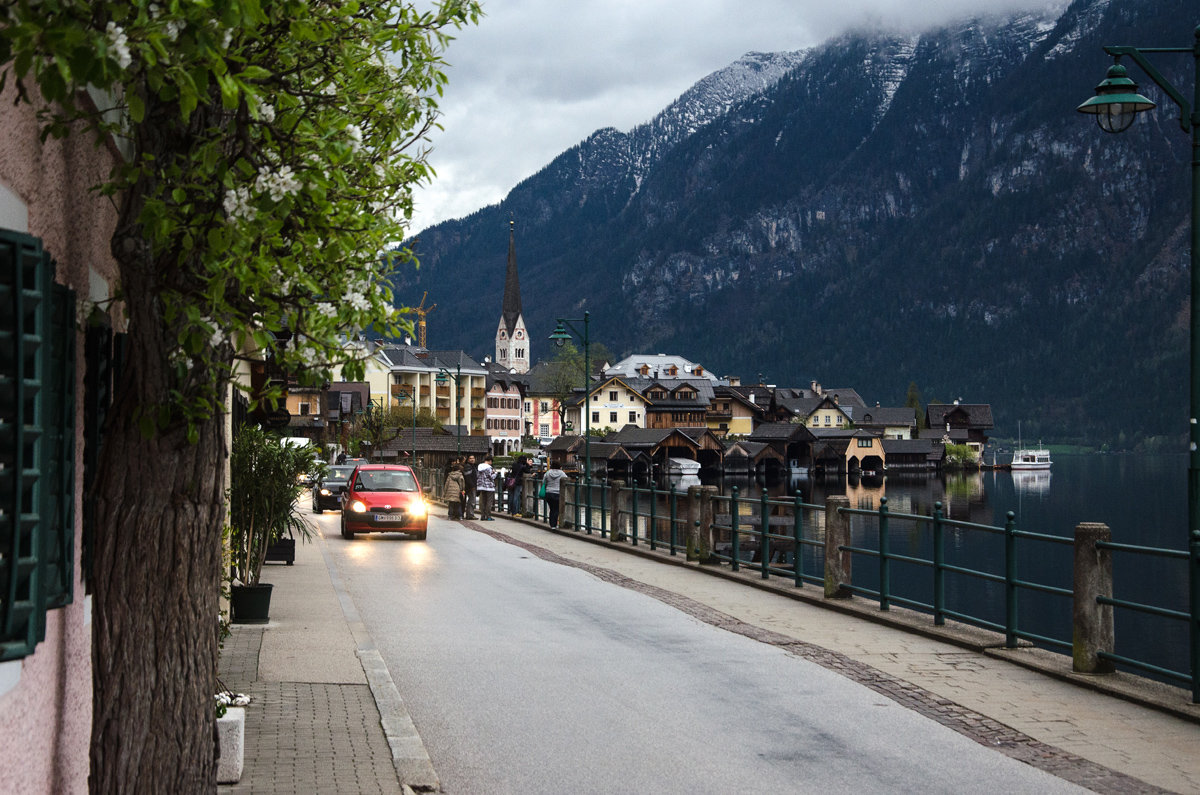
x,y
470,476
553,481
455,488
485,484
516,487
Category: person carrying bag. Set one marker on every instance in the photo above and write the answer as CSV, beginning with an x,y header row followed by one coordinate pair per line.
x,y
551,484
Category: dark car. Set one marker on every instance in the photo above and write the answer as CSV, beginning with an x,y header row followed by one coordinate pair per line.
x,y
327,492
384,498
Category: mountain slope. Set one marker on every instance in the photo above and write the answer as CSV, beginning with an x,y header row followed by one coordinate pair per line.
x,y
893,209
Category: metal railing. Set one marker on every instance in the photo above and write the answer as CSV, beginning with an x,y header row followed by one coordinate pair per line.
x,y
792,539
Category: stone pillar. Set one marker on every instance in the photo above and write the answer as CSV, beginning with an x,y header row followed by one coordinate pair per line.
x,y
566,504
701,501
1093,622
617,511
837,562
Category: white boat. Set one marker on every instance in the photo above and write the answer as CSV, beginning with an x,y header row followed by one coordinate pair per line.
x,y
1031,458
1026,458
683,472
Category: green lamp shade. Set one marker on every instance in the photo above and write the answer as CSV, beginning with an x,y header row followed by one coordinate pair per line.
x,y
1117,102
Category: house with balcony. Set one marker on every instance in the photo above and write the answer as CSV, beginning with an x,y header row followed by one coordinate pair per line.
x,y
737,410
889,422
973,418
450,385
614,403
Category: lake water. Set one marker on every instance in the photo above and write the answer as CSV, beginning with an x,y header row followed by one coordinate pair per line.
x,y
1143,499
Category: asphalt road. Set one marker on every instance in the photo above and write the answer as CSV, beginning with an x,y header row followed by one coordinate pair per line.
x,y
526,676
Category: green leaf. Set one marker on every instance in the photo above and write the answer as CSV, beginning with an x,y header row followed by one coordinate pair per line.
x,y
137,108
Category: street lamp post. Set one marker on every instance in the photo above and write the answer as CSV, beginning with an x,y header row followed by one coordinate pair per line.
x,y
443,377
412,396
1115,106
560,337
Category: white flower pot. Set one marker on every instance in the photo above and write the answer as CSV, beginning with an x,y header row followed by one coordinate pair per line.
x,y
232,731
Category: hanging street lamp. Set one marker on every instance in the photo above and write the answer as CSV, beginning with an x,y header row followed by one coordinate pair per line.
x,y
1115,107
560,337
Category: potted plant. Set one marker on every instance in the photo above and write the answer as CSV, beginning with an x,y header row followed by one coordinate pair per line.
x,y
263,487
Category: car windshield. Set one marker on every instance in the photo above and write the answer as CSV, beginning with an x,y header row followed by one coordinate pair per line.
x,y
385,480
339,473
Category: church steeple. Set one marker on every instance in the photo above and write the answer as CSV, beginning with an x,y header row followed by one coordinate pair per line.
x,y
511,308
512,342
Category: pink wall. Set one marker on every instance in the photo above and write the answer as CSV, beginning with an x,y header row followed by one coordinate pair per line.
x,y
46,725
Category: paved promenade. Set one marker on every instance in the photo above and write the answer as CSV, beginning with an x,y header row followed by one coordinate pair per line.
x,y
322,696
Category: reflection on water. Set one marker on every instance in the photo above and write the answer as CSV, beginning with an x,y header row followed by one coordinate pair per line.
x,y
1032,482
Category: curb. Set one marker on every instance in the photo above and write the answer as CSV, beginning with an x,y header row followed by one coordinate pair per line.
x,y
410,758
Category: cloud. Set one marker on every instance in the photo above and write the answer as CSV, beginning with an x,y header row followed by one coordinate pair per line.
x,y
536,77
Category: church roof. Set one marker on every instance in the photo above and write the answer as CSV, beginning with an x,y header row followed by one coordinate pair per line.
x,y
511,308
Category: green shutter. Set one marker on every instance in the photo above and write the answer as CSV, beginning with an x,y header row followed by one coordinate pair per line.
x,y
37,432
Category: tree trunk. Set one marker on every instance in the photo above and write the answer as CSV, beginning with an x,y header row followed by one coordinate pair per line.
x,y
155,583
157,547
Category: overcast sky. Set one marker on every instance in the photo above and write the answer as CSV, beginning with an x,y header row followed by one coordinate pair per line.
x,y
536,77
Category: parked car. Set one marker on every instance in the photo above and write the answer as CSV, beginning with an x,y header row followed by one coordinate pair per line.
x,y
327,492
384,498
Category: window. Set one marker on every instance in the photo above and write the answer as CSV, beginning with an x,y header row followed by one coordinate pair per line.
x,y
304,412
612,395
545,407
839,419
543,429
595,416
865,443
37,454
612,416
827,420
633,417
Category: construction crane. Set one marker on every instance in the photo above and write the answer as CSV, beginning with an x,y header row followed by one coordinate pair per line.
x,y
422,311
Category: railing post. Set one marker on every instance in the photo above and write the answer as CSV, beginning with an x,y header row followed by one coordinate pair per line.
x,y
604,499
885,563
617,516
588,503
797,539
568,491
1010,581
650,531
939,566
837,560
735,548
633,513
674,519
699,514
1093,622
764,538
1194,587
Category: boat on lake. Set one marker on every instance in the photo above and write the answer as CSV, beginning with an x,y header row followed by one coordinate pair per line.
x,y
1031,458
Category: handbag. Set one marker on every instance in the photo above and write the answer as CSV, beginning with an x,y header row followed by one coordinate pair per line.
x,y
542,489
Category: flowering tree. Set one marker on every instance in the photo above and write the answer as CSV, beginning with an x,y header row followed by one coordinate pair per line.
x,y
273,148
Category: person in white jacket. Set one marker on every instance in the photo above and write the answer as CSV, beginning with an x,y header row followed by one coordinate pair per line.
x,y
553,480
485,484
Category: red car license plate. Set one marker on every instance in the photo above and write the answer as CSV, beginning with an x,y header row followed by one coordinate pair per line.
x,y
389,517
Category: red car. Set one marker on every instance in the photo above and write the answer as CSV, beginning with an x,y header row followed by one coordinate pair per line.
x,y
384,498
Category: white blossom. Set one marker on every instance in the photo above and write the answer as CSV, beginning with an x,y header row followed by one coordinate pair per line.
x,y
174,27
277,184
356,136
119,43
266,112
237,204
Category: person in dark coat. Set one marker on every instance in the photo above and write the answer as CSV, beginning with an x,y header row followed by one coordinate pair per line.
x,y
520,470
471,476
